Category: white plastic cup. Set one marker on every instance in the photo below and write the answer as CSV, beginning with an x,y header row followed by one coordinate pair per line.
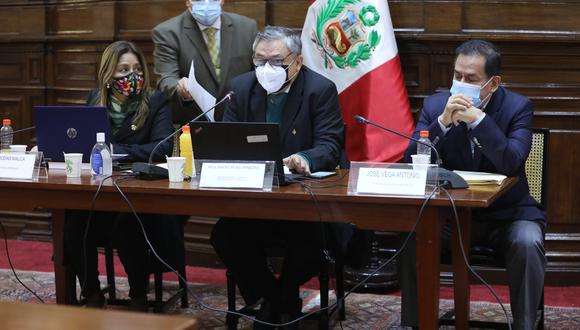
x,y
175,167
420,162
18,148
72,164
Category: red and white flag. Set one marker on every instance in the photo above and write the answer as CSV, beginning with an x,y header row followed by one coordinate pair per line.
x,y
352,43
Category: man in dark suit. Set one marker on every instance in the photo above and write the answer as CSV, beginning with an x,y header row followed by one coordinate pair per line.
x,y
281,90
482,126
218,42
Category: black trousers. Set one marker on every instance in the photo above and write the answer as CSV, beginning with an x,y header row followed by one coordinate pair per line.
x,y
521,241
241,244
124,232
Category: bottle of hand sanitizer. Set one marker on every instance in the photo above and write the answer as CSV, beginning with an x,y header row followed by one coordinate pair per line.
x,y
101,161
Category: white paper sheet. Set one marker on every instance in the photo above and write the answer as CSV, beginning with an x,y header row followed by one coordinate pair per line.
x,y
481,177
202,97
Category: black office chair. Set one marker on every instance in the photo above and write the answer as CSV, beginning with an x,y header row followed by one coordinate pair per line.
x,y
158,305
323,279
486,259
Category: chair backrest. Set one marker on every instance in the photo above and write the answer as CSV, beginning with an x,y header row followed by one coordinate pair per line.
x,y
537,165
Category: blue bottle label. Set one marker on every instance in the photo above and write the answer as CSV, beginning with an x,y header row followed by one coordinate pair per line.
x,y
97,163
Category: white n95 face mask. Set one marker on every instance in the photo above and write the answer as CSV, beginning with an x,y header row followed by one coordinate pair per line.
x,y
272,78
470,90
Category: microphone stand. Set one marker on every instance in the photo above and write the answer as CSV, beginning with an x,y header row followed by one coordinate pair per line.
x,y
150,171
448,178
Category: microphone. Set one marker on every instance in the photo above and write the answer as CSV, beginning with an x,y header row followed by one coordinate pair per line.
x,y
149,171
449,179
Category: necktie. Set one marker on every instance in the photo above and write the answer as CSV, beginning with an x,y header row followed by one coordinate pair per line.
x,y
212,46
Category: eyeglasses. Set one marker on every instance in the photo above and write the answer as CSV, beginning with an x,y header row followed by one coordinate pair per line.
x,y
259,61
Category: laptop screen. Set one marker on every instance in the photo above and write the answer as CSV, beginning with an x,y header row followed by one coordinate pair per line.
x,y
238,141
69,129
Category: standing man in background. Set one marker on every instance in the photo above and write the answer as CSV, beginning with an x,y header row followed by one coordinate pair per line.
x,y
219,43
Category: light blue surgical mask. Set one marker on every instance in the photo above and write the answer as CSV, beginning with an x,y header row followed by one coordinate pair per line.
x,y
206,12
470,90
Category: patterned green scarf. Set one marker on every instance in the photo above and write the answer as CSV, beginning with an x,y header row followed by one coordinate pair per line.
x,y
118,111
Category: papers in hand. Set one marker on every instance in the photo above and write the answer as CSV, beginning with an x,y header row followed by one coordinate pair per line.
x,y
481,178
202,97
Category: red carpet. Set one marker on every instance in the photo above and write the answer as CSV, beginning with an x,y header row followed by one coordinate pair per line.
x,y
36,256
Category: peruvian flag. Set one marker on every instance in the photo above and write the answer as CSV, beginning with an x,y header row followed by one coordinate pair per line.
x,y
352,43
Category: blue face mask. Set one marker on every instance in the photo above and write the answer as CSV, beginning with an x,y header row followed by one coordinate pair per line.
x,y
470,90
206,12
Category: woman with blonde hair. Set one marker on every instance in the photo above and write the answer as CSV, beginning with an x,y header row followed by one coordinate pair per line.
x,y
139,117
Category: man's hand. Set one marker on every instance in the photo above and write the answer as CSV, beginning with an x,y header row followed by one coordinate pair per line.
x,y
297,163
455,103
182,88
467,116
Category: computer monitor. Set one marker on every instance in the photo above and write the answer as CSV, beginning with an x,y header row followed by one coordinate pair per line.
x,y
238,141
64,129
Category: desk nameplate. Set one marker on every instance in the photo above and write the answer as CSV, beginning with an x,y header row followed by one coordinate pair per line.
x,y
17,166
237,175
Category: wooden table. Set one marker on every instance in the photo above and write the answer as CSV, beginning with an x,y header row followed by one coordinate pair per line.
x,y
387,213
32,316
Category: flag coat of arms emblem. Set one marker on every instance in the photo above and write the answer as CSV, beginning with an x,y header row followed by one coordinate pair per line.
x,y
352,43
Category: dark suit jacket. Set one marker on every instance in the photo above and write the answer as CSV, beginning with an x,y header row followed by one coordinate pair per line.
x,y
501,141
179,40
139,144
311,123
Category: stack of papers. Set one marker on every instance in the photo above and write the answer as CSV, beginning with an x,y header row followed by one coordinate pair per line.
x,y
475,178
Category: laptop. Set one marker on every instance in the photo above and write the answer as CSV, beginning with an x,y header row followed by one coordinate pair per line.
x,y
240,141
69,129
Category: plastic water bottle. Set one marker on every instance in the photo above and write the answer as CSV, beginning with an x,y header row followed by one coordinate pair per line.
x,y
101,161
423,149
186,150
6,134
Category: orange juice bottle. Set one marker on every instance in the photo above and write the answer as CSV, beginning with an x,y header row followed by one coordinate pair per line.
x,y
186,150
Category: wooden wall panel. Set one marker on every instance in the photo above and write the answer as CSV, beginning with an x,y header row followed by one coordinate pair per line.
x,y
290,13
50,52
442,17
15,104
10,107
94,20
73,72
150,13
11,70
545,16
21,84
253,9
22,23
563,191
21,65
407,15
